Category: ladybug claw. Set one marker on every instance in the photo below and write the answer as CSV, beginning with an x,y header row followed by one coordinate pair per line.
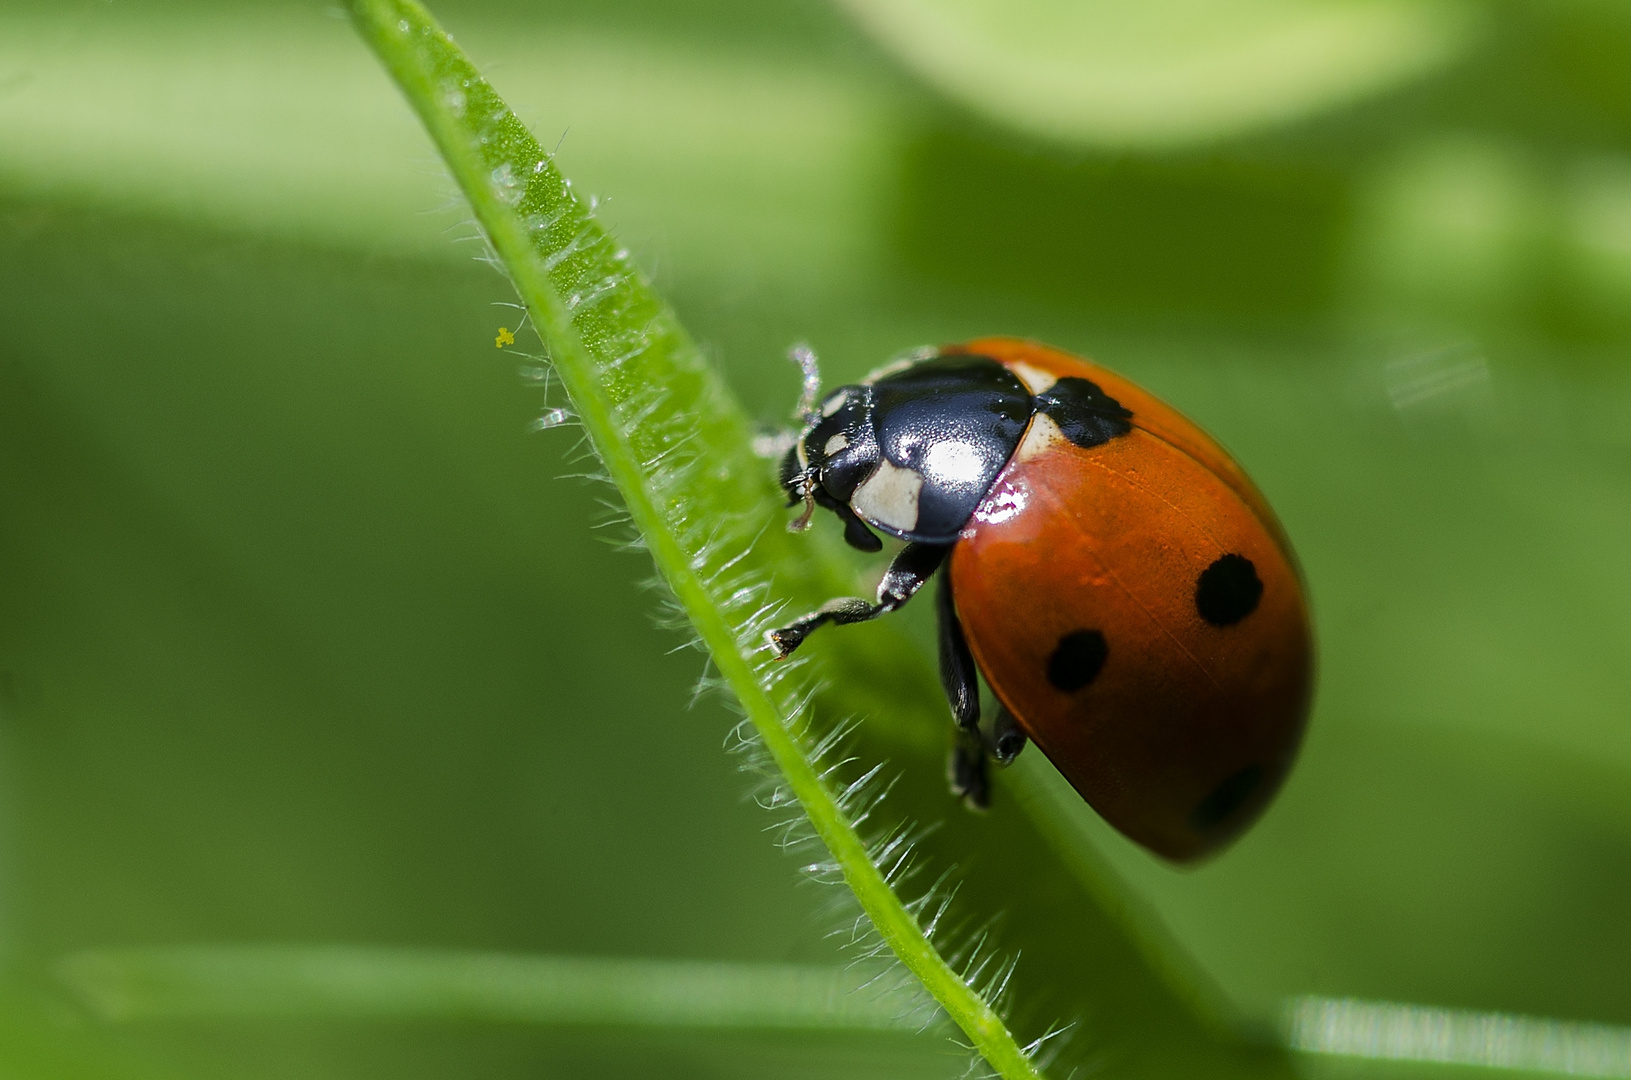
x,y
969,778
782,642
1007,739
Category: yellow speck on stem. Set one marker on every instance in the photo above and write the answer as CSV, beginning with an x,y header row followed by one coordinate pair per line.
x,y
504,338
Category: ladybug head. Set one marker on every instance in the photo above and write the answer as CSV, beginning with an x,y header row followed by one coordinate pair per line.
x,y
836,451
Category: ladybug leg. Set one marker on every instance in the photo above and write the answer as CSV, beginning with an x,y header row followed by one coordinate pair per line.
x,y
910,571
1007,737
958,675
968,772
967,769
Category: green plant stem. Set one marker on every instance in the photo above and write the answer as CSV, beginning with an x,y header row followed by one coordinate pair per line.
x,y
652,409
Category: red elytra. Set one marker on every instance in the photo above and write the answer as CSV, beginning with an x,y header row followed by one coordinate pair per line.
x,y
1090,562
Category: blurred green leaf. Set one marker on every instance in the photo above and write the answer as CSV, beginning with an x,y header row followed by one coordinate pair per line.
x,y
348,983
1371,1034
1163,73
42,1041
107,109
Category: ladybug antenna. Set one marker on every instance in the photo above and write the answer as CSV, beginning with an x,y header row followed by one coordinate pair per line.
x,y
805,357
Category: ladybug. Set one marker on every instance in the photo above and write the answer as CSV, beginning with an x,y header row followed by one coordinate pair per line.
x,y
1123,587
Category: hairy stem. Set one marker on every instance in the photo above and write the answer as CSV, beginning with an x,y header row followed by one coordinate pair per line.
x,y
671,440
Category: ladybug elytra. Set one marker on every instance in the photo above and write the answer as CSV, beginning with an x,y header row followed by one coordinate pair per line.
x,y
1123,587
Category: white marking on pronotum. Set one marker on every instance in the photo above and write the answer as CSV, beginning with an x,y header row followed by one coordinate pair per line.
x,y
1035,379
889,497
901,363
835,444
1041,436
894,367
834,403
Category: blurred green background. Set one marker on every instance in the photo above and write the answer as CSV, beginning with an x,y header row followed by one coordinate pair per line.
x,y
303,639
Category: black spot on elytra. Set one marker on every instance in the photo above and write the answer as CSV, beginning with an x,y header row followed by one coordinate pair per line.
x,y
1225,799
1228,590
1086,415
1077,660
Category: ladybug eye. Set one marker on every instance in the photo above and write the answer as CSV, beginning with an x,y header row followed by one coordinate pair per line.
x,y
1228,590
1225,799
1077,660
